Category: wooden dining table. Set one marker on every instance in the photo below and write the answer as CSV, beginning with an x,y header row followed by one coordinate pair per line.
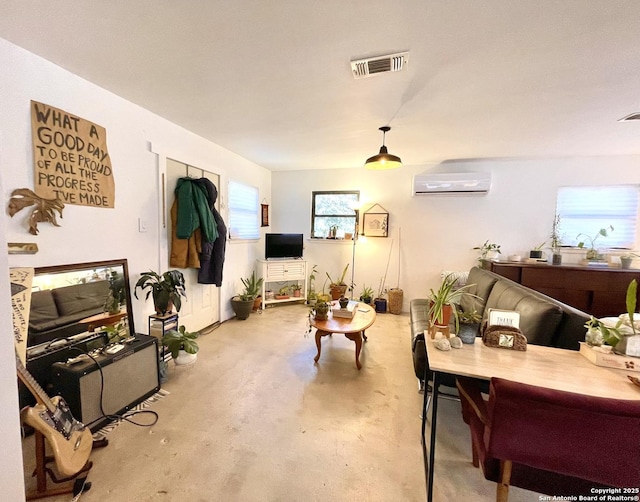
x,y
549,367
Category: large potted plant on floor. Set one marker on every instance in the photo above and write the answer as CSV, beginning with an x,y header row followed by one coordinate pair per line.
x,y
182,345
242,303
166,289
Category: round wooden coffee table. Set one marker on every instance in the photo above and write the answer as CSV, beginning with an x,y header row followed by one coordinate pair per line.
x,y
353,329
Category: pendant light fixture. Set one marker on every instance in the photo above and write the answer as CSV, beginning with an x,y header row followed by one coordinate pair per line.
x,y
384,160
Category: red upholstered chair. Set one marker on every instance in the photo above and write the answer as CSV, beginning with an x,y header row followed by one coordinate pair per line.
x,y
551,442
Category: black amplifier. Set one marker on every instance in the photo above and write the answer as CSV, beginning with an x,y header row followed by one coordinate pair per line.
x,y
41,357
118,379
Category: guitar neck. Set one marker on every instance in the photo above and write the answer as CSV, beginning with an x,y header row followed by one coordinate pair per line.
x,y
33,386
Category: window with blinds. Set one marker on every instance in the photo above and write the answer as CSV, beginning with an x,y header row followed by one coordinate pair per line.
x,y
243,211
586,209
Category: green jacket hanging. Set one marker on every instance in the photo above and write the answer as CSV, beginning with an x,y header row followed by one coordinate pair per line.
x,y
194,211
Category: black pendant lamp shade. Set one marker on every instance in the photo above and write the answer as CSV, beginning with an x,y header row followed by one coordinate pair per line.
x,y
384,160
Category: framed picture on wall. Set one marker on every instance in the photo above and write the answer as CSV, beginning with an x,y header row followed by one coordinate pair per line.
x,y
375,224
265,215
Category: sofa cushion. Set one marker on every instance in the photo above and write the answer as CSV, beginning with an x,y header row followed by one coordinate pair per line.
x,y
481,283
78,298
43,310
539,318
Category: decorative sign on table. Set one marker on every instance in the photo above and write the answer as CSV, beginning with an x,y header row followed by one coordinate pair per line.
x,y
70,158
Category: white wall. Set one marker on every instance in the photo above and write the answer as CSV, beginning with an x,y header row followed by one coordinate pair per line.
x,y
438,232
90,234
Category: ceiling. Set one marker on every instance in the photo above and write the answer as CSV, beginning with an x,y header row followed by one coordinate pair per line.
x,y
271,80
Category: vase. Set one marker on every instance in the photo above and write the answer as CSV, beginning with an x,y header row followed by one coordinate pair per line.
x,y
594,337
184,358
337,291
380,304
625,262
468,332
343,301
556,259
242,308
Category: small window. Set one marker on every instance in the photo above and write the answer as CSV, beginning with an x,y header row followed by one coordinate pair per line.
x,y
333,213
243,211
586,209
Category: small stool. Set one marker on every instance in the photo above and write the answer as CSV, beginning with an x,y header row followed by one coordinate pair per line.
x,y
433,329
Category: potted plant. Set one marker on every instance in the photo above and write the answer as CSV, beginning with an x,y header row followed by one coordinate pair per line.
x,y
283,293
311,292
242,304
338,288
469,326
112,303
488,251
556,241
182,345
321,310
592,252
599,333
626,260
366,296
444,300
296,289
166,289
536,252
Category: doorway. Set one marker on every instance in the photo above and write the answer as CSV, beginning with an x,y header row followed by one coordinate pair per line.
x,y
201,309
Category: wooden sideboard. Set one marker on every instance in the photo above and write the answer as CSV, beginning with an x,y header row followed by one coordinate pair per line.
x,y
600,291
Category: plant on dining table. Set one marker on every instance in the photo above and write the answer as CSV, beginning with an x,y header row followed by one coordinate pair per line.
x,y
445,299
598,332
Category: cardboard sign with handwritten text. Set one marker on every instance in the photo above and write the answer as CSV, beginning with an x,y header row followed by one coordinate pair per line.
x,y
20,279
70,158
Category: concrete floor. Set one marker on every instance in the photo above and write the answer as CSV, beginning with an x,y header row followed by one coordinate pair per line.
x,y
256,420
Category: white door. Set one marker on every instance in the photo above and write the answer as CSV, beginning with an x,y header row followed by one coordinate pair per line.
x,y
201,308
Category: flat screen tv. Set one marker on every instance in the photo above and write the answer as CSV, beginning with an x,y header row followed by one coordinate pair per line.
x,y
283,246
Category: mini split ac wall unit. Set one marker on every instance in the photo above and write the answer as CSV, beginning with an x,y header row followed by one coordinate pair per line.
x,y
451,184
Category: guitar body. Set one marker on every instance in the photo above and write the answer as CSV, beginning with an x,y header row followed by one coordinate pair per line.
x,y
70,440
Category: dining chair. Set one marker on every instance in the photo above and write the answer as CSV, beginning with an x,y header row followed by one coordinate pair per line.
x,y
549,441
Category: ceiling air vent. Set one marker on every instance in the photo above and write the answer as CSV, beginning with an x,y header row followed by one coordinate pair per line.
x,y
380,64
633,116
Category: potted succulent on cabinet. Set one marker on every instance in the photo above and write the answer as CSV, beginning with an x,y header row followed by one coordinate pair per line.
x,y
338,288
444,300
469,325
182,345
166,289
242,304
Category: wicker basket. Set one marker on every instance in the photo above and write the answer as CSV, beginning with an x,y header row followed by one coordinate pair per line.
x,y
395,301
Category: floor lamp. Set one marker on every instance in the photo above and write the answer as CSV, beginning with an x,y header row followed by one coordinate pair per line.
x,y
353,250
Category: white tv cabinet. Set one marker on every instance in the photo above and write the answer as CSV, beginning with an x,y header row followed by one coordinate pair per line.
x,y
281,271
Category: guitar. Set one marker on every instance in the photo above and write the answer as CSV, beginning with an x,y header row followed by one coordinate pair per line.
x,y
70,440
